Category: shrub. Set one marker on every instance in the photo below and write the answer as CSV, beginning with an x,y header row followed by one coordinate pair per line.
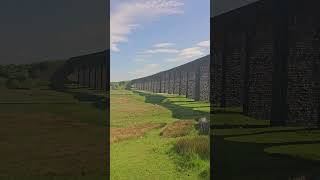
x,y
22,75
13,84
3,81
27,84
199,145
205,174
34,73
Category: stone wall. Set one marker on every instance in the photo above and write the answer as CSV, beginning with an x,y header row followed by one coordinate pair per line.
x,y
266,59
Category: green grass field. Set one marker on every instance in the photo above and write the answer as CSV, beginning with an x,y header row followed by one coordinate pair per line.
x,y
251,149
46,134
140,151
153,136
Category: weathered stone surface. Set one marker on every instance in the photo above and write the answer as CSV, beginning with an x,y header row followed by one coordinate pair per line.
x,y
205,82
266,59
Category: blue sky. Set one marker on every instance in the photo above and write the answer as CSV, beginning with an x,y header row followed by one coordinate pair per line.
x,y
149,36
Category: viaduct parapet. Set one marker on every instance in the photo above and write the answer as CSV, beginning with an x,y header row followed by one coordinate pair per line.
x,y
267,60
191,80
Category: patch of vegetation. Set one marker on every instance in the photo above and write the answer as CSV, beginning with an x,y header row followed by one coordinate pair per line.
x,y
178,128
199,145
3,80
205,175
27,76
120,134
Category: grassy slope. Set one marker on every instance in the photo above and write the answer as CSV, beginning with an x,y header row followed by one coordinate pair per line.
x,y
49,126
151,156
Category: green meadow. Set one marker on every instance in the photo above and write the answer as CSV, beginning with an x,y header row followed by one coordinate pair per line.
x,y
45,134
153,136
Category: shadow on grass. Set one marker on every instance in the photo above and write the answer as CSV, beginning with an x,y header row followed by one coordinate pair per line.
x,y
231,126
264,131
178,111
97,101
248,161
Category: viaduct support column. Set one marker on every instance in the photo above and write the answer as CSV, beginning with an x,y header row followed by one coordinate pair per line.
x,y
223,72
92,77
187,85
95,77
174,82
78,76
98,75
83,74
197,84
101,77
245,73
160,83
279,108
104,76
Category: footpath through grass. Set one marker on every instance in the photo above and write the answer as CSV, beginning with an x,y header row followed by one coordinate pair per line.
x,y
45,134
148,134
249,149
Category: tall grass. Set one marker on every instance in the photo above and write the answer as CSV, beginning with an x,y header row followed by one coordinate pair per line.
x,y
199,145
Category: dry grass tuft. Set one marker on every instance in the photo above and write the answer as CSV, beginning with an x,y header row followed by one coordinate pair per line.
x,y
178,129
119,134
199,145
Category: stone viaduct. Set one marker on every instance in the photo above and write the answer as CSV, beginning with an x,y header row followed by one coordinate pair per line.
x,y
191,79
267,60
91,71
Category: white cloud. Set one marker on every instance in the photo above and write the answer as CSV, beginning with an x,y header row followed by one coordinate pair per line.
x,y
147,70
181,56
162,50
140,60
192,53
188,54
142,57
129,15
163,45
204,44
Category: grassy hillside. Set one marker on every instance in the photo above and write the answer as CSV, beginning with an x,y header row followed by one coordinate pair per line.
x,y
153,136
